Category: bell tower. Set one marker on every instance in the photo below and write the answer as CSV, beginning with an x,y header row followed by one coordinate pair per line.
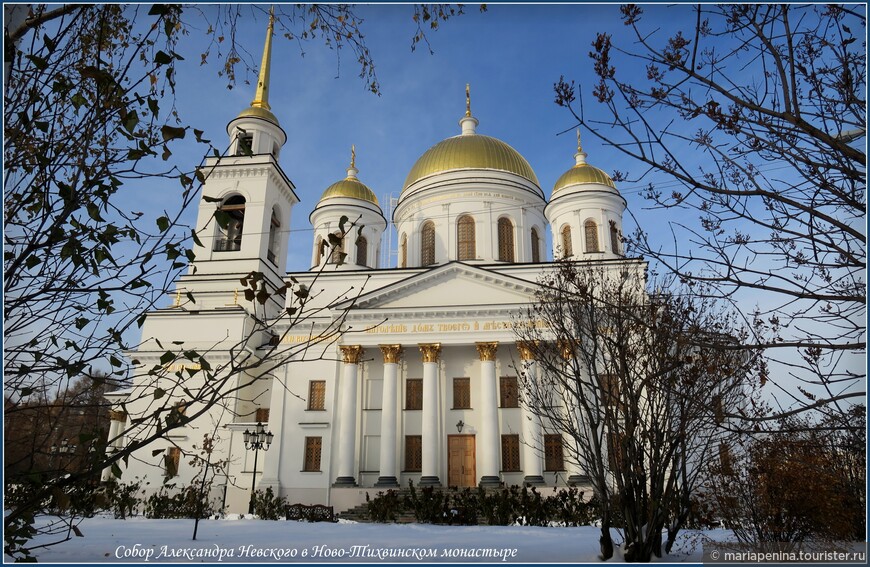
x,y
244,216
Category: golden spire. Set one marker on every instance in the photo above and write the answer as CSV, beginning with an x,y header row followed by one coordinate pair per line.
x,y
353,156
261,98
467,99
579,147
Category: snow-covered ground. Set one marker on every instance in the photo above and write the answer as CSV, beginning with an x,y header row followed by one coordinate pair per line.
x,y
251,540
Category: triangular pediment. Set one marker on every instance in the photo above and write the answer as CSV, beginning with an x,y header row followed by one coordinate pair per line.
x,y
451,286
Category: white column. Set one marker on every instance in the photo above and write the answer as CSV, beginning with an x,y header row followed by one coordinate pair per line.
x,y
272,457
347,427
431,439
575,473
533,442
389,416
116,428
489,430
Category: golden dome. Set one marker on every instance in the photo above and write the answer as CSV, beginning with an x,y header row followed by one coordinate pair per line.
x,y
582,173
259,112
351,188
470,152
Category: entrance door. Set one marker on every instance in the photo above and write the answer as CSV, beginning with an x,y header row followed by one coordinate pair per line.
x,y
460,461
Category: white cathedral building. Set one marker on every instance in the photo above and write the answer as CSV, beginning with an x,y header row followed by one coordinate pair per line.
x,y
422,382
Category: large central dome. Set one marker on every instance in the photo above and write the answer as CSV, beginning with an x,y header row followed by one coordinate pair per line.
x,y
470,151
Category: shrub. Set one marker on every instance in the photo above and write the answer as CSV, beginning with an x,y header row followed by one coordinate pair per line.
x,y
385,507
269,507
167,503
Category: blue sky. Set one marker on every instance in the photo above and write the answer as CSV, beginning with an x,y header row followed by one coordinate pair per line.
x,y
511,55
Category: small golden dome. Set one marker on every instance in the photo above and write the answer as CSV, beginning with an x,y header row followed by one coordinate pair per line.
x,y
350,188
470,152
259,112
582,173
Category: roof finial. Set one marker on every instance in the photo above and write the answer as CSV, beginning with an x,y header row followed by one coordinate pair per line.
x,y
580,156
467,99
352,170
261,97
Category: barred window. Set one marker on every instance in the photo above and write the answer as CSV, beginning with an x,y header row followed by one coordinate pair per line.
x,y
553,459
262,415
591,236
362,246
505,240
427,244
316,395
567,248
313,446
536,246
725,461
509,392
465,238
414,394
510,453
413,453
171,460
614,238
461,393
403,262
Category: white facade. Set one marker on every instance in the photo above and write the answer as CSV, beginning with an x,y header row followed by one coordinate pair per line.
x,y
418,385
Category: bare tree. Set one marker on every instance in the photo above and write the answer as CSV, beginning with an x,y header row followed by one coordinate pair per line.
x,y
637,383
88,109
748,118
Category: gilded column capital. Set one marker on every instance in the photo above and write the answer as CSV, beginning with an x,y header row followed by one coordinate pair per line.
x,y
115,415
391,353
430,351
526,349
351,354
486,351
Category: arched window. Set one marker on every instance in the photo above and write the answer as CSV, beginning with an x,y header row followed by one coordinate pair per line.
x,y
567,248
318,251
465,238
337,255
536,246
591,236
274,241
230,218
403,260
505,240
614,238
362,251
427,244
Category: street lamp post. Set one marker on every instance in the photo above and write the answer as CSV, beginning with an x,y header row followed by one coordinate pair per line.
x,y
254,441
64,449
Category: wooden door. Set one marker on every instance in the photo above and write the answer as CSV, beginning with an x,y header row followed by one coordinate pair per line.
x,y
460,461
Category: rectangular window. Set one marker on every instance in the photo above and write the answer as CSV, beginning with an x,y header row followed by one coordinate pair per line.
x,y
614,450
553,458
246,145
461,393
262,415
413,453
609,390
510,453
509,392
317,395
718,409
414,394
171,459
312,454
725,461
